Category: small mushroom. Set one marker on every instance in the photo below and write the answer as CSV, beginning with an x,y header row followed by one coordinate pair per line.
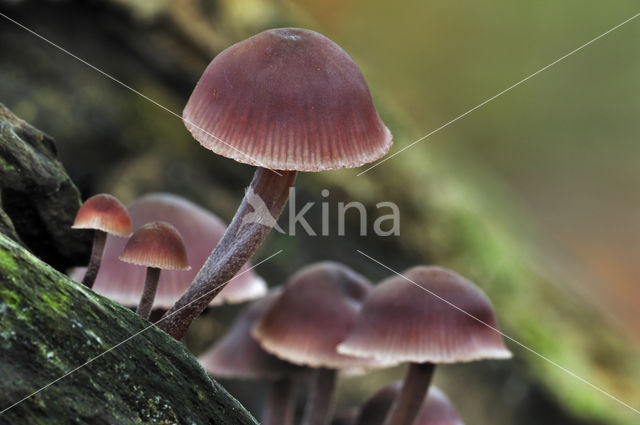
x,y
157,246
313,314
436,408
400,322
104,214
285,100
238,356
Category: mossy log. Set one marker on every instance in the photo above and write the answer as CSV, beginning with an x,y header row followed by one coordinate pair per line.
x,y
38,200
51,326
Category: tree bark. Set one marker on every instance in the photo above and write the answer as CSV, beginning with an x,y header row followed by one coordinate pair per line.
x,y
123,370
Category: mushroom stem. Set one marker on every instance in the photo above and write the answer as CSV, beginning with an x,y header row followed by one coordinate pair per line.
x,y
319,409
279,407
414,390
149,292
250,226
99,239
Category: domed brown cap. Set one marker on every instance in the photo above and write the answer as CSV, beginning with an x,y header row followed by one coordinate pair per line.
x,y
104,212
287,99
200,229
436,410
158,245
401,322
312,315
238,356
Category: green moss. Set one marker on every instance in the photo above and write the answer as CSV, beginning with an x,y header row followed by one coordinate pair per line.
x,y
56,304
52,325
7,263
9,298
5,166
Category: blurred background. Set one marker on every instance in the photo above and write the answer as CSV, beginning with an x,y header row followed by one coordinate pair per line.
x,y
535,196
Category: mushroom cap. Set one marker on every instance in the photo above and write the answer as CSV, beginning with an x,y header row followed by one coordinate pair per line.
x,y
238,356
201,231
104,212
436,409
346,417
313,314
402,322
156,244
287,99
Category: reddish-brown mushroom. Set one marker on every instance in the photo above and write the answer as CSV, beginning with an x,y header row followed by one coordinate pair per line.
x,y
346,417
156,246
313,314
201,231
104,214
436,408
238,356
412,318
285,100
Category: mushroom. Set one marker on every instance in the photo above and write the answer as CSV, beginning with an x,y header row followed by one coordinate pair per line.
x,y
399,322
346,417
157,246
285,100
435,410
238,356
313,314
104,214
200,229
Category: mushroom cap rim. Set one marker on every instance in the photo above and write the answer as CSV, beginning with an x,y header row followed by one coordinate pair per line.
x,y
490,354
142,263
229,151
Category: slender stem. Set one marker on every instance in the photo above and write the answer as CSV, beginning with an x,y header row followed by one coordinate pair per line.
x,y
99,239
262,204
279,407
149,292
408,405
319,409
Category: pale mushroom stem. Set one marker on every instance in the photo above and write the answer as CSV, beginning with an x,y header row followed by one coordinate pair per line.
x,y
414,390
261,206
319,409
279,407
149,292
99,239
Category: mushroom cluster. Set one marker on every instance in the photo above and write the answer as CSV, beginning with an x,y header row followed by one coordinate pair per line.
x,y
173,234
289,100
328,318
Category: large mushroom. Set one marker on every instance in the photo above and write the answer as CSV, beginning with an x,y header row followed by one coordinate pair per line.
x,y
104,214
313,314
428,315
201,231
157,246
238,356
285,100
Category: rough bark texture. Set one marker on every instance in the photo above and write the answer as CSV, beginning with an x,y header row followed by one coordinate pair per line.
x,y
38,200
50,325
